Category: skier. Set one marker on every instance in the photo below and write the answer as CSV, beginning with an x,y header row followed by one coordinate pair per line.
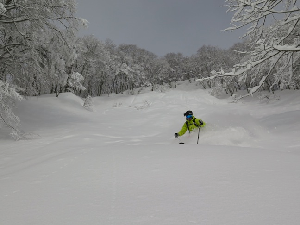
x,y
190,124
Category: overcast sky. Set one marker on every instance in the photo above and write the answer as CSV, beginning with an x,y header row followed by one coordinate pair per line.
x,y
160,26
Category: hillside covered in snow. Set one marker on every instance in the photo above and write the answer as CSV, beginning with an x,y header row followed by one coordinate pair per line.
x,y
120,163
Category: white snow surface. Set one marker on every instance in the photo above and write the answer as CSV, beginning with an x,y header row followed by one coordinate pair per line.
x,y
121,165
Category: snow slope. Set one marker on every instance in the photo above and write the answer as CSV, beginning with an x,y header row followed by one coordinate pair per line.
x,y
121,164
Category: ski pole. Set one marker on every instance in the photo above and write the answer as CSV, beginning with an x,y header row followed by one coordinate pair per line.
x,y
180,141
198,135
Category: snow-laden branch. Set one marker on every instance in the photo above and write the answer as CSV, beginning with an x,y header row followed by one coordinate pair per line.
x,y
275,40
244,67
287,48
2,9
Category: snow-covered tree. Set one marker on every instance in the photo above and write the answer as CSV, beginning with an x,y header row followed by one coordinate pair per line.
x,y
8,96
176,62
108,68
91,64
273,31
137,59
74,82
24,51
88,103
22,22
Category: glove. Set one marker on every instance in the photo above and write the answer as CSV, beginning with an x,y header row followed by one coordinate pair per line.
x,y
176,135
201,122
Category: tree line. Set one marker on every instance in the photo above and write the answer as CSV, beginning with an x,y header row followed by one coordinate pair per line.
x,y
41,53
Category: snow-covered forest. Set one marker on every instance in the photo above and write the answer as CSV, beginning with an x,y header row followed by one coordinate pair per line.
x,y
40,53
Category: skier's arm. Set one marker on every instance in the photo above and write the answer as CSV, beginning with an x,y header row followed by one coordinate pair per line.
x,y
183,130
200,122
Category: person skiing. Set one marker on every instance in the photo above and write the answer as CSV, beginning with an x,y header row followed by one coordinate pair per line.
x,y
190,124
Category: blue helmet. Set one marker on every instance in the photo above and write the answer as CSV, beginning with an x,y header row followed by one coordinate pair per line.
x,y
188,113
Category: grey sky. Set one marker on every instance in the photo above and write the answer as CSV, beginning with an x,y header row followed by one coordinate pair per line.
x,y
160,26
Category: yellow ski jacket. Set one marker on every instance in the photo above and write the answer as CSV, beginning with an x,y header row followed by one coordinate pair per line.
x,y
190,125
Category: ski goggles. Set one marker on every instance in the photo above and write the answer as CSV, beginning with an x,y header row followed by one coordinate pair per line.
x,y
189,116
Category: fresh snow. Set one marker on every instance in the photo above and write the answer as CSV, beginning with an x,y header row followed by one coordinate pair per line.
x,y
121,165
